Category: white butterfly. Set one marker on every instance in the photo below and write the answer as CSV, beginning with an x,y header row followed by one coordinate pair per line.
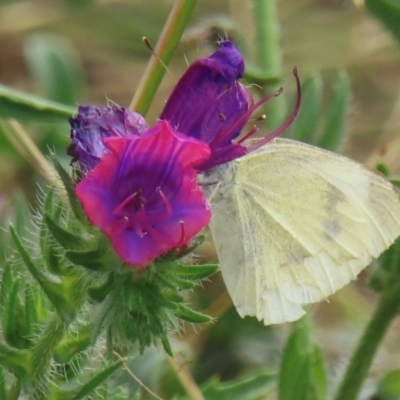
x,y
293,223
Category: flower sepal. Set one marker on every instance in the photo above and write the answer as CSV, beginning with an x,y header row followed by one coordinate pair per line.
x,y
19,362
142,307
60,290
196,272
101,258
189,315
72,344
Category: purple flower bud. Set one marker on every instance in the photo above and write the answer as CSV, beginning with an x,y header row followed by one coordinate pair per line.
x,y
208,102
92,124
143,193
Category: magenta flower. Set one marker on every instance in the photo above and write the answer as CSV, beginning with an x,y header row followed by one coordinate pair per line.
x,y
144,195
209,104
92,124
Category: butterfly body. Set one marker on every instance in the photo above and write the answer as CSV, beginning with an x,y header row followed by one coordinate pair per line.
x,y
293,223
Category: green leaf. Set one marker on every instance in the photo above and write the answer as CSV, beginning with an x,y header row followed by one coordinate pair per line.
x,y
389,261
184,284
5,213
388,12
19,362
195,272
302,374
48,245
382,168
387,271
167,346
80,4
92,259
55,67
21,214
196,242
67,239
3,387
72,345
304,127
395,182
50,252
59,291
26,107
6,284
389,386
14,391
189,315
69,185
12,329
99,323
336,118
255,387
30,315
98,379
99,293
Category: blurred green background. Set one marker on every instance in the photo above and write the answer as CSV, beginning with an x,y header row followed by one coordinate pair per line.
x,y
90,51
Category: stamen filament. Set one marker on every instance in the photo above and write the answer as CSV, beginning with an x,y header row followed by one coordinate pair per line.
x,y
251,133
287,123
181,241
220,139
120,206
168,212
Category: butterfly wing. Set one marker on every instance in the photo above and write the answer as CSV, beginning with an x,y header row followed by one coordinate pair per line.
x,y
293,223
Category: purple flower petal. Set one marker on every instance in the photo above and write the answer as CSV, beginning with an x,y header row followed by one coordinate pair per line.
x,y
92,124
143,194
208,101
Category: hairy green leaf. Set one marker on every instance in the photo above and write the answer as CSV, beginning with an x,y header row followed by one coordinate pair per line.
x,y
388,12
302,374
255,387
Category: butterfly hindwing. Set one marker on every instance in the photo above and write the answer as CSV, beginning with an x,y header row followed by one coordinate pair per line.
x,y
293,223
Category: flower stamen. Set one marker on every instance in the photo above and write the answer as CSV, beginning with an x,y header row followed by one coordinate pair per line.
x,y
119,209
167,203
182,240
287,123
251,133
220,139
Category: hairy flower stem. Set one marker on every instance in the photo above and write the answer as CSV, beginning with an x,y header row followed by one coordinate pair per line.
x,y
165,48
269,56
360,362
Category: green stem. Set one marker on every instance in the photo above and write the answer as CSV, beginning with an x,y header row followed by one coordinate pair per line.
x,y
165,48
269,56
360,362
26,147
